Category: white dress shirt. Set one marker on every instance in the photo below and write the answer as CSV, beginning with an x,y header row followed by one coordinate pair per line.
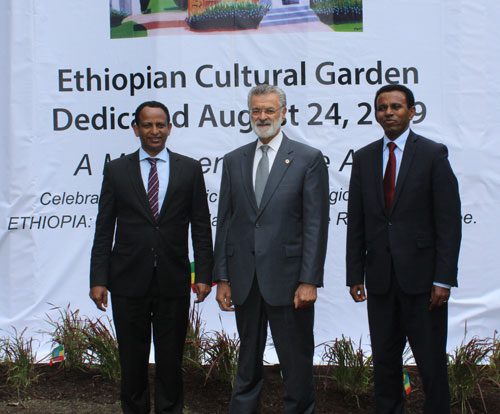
x,y
274,146
398,151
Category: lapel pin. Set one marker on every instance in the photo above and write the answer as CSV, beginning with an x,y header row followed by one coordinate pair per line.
x,y
287,161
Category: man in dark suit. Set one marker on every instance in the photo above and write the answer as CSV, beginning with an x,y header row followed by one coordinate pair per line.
x,y
140,254
272,229
403,240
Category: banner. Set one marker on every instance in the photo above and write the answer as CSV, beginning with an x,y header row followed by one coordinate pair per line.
x,y
74,72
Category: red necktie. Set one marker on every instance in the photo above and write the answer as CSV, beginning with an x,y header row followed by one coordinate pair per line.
x,y
153,187
390,177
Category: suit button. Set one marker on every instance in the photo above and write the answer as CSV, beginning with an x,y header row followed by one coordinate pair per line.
x,y
257,225
390,224
157,228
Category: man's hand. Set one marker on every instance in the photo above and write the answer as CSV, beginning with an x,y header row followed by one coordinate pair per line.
x,y
305,295
439,296
202,291
224,296
358,293
99,294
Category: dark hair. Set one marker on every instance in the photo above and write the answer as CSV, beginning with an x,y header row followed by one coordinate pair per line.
x,y
150,104
410,99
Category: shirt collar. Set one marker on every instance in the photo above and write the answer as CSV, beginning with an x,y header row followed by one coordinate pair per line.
x,y
399,141
274,143
163,155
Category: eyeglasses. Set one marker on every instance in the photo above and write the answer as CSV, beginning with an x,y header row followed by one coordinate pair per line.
x,y
267,111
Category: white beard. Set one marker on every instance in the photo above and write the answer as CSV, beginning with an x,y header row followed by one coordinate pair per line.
x,y
266,129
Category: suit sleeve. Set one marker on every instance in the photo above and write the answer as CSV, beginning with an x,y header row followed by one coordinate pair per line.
x,y
104,232
201,231
223,216
316,212
355,245
447,219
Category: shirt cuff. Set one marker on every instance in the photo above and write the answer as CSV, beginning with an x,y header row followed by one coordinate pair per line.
x,y
443,285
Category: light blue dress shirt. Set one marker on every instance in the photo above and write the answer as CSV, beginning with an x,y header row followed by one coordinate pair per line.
x,y
163,168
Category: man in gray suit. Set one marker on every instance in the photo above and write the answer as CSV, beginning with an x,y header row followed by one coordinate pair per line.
x,y
272,229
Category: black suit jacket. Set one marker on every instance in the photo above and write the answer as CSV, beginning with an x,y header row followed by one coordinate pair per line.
x,y
421,235
126,266
284,240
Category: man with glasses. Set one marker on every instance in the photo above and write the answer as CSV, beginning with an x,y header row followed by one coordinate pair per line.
x,y
272,229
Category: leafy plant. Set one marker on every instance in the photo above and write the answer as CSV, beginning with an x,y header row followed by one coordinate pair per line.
x,y
231,10
494,357
466,371
102,348
116,17
18,355
338,11
193,347
348,366
221,356
69,330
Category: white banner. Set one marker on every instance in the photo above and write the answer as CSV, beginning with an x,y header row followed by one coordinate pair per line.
x,y
70,81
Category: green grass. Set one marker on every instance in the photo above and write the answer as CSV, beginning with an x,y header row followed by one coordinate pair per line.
x,y
347,27
126,30
157,6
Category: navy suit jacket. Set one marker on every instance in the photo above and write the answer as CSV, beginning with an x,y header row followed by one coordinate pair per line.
x,y
421,234
129,241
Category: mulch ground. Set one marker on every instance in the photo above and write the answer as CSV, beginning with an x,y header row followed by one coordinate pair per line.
x,y
59,391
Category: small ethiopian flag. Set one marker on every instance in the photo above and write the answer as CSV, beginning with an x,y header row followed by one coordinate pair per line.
x,y
192,277
406,382
57,354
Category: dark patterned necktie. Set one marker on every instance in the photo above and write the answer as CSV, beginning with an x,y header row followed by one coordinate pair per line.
x,y
153,187
390,177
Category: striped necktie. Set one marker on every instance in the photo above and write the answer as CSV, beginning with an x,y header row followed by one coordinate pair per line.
x,y
153,187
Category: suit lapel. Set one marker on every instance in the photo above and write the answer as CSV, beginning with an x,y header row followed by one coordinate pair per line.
x,y
247,173
174,174
134,172
281,163
408,154
378,171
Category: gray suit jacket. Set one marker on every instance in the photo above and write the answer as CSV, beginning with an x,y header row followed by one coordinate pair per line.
x,y
284,241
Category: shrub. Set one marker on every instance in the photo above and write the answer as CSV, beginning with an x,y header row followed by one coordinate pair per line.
x,y
193,347
102,348
338,11
466,371
348,366
229,15
221,356
494,357
116,17
18,355
69,330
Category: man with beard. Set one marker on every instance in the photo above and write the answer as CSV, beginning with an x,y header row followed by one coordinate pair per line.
x,y
272,229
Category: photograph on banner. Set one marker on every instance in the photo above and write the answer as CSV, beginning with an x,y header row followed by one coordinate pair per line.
x,y
141,18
